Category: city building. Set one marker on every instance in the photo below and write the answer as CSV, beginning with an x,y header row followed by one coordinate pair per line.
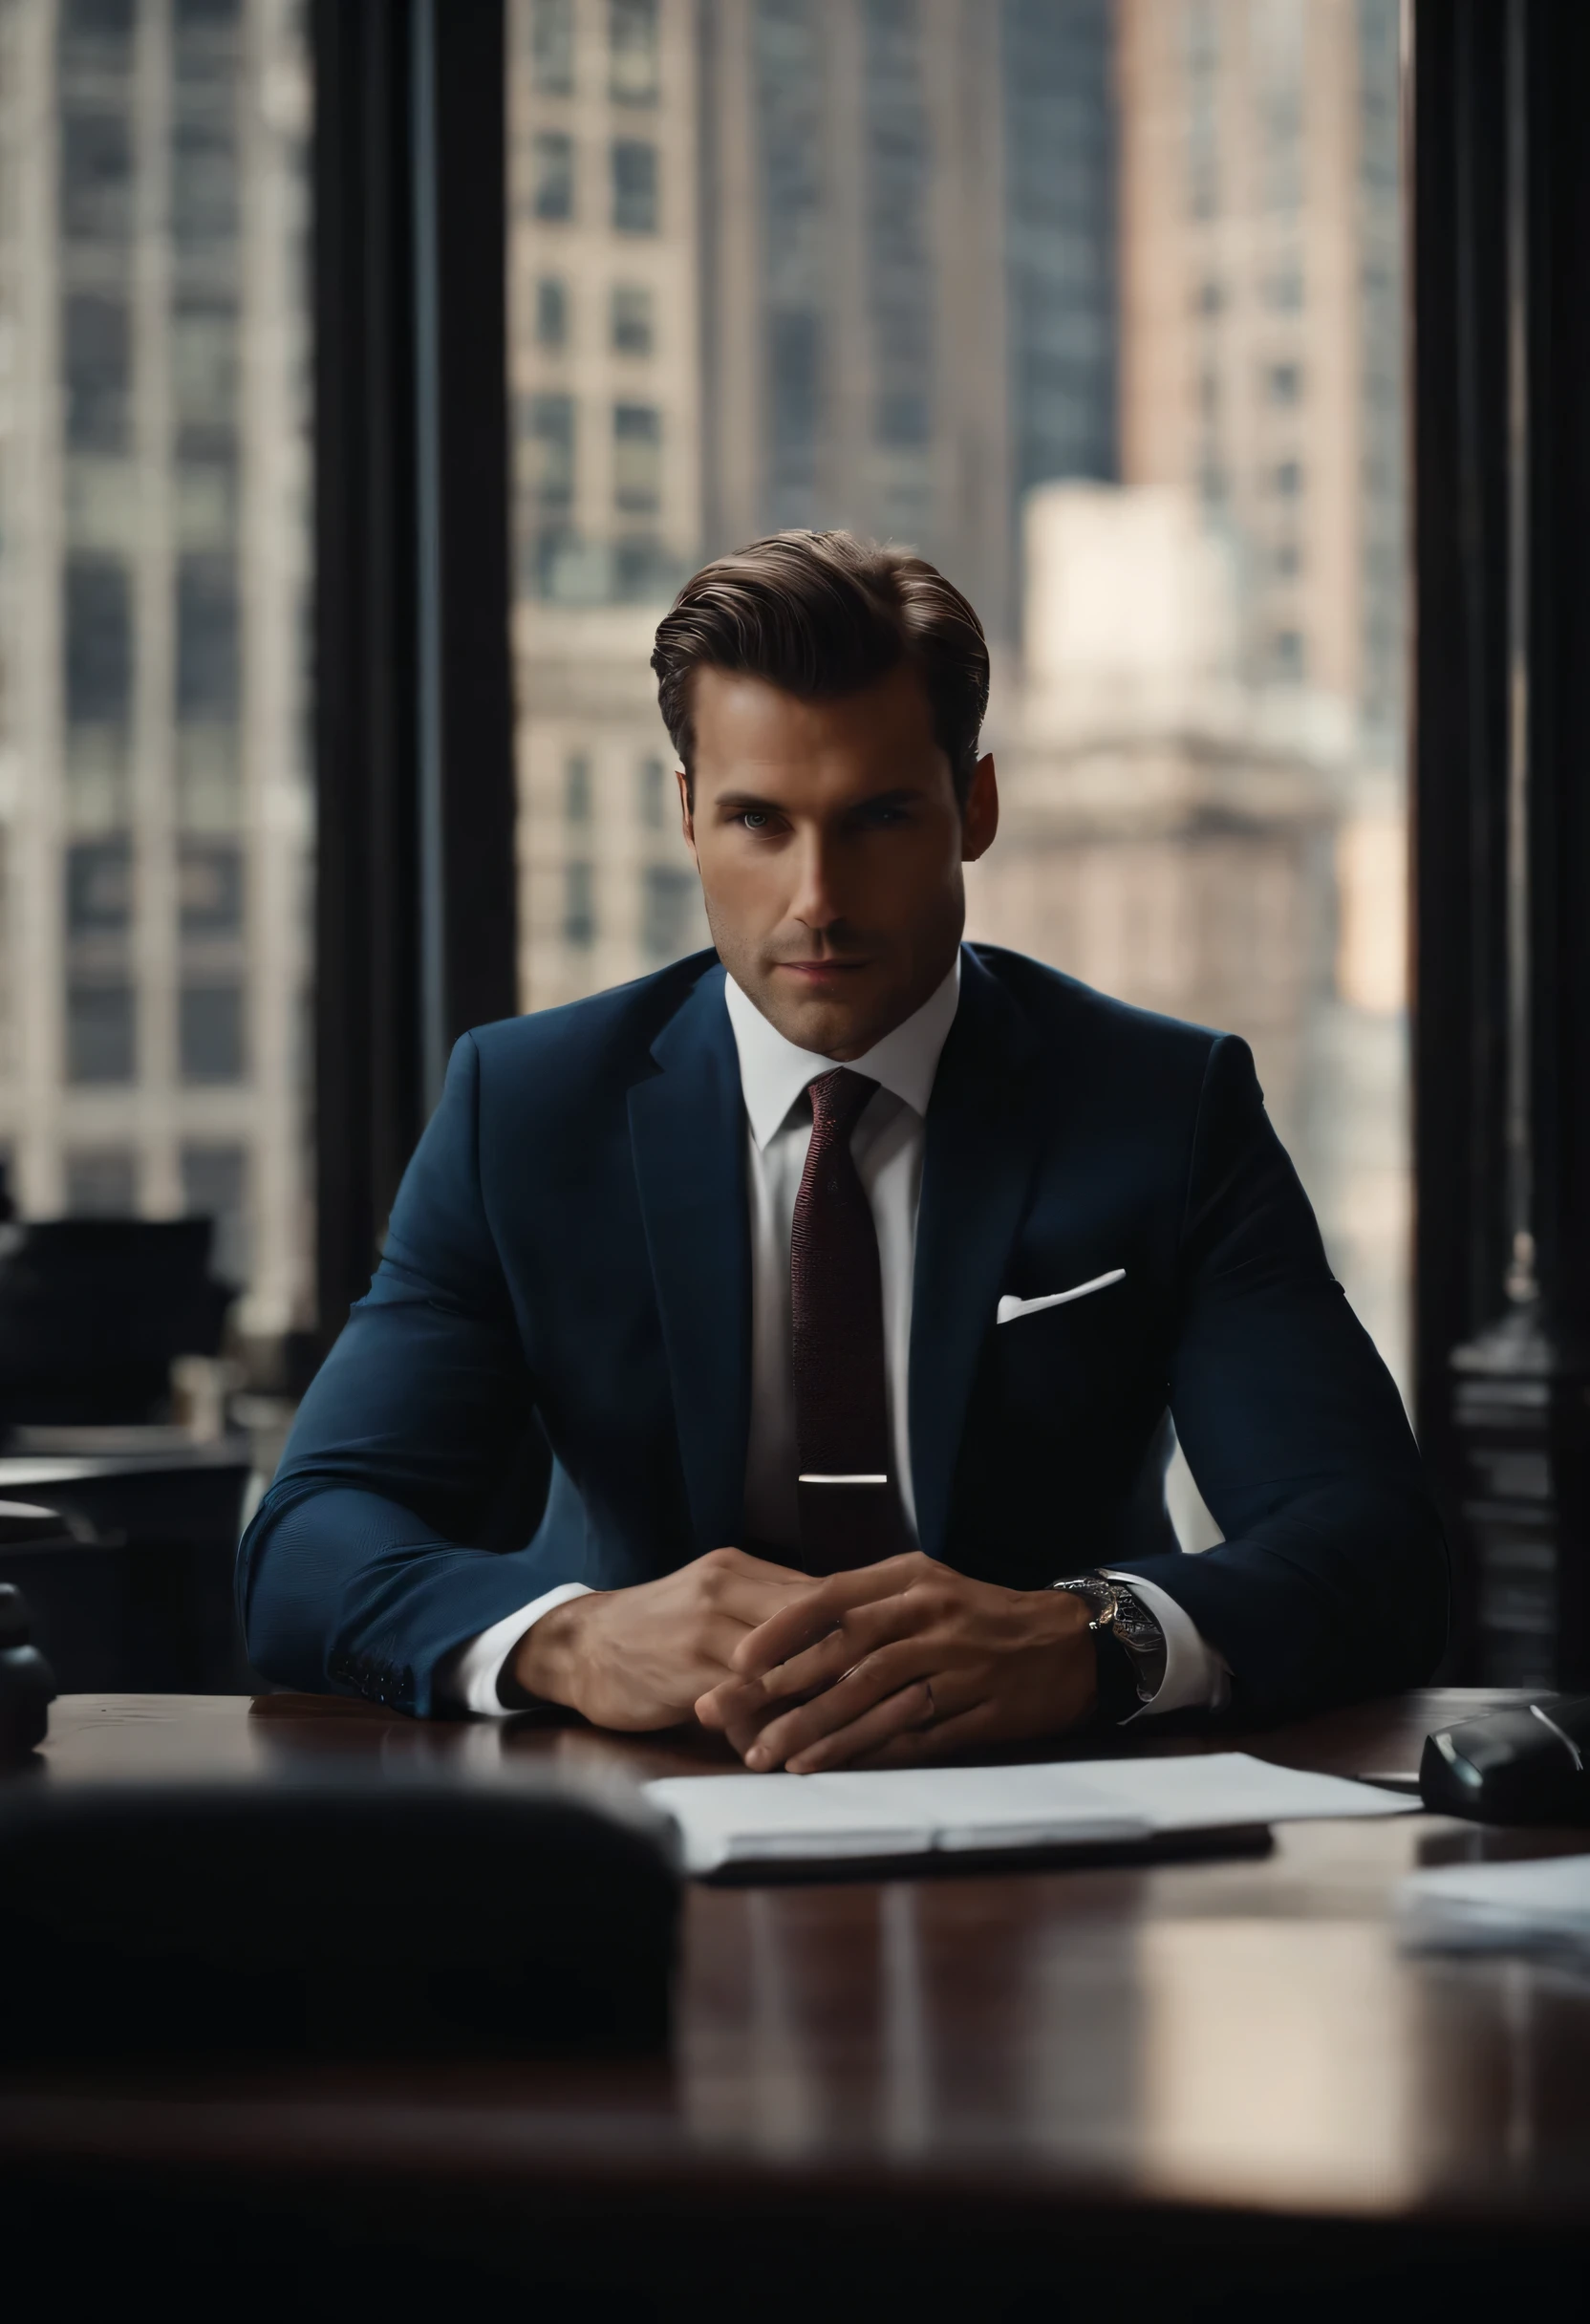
x,y
155,801
605,361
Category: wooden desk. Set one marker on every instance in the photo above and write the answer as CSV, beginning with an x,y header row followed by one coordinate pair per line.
x,y
1210,2073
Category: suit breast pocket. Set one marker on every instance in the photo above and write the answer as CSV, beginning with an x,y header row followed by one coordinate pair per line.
x,y
1073,1358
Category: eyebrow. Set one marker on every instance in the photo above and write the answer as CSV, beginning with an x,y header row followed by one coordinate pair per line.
x,y
737,803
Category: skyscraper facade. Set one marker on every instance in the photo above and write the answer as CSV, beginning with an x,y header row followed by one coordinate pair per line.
x,y
155,801
605,356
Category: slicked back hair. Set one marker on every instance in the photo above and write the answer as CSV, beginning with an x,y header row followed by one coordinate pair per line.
x,y
822,614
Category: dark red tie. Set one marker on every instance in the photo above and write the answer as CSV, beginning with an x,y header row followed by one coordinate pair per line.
x,y
847,1498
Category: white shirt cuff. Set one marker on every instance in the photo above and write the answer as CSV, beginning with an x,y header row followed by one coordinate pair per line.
x,y
466,1679
1196,1677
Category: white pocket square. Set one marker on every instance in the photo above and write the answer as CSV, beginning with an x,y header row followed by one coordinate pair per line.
x,y
1010,1306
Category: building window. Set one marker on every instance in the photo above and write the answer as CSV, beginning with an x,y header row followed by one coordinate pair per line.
x,y
100,1031
1284,383
99,888
209,888
209,1030
1288,560
634,186
548,471
207,677
579,904
552,47
1287,657
632,320
653,789
215,1184
668,912
102,1182
637,458
576,790
97,368
1283,290
98,642
555,174
1287,479
643,572
551,312
632,52
204,377
96,177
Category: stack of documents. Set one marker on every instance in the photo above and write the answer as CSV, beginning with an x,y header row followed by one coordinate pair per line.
x,y
724,1821
1534,1907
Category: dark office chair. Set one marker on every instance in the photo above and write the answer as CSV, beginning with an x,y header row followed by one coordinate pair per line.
x,y
92,1312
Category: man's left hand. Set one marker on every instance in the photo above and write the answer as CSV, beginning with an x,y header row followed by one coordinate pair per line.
x,y
901,1662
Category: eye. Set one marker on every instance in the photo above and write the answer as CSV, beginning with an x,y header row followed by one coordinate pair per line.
x,y
755,818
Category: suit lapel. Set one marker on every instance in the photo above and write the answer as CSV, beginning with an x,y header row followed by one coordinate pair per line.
x,y
981,1149
688,1136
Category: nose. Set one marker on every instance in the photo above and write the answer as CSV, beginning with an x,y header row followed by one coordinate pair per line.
x,y
815,903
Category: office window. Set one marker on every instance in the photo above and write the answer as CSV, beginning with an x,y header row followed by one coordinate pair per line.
x,y
209,888
101,1024
636,457
632,320
156,239
672,896
554,176
651,787
97,367
634,186
1083,364
546,457
633,59
98,642
576,790
215,1186
552,47
102,1182
99,888
209,1031
579,904
551,312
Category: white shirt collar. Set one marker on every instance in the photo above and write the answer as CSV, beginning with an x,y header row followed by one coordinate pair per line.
x,y
773,1072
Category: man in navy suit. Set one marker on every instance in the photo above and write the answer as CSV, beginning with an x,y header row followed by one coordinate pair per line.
x,y
852,1275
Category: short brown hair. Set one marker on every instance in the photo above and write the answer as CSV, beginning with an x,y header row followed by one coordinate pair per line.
x,y
820,615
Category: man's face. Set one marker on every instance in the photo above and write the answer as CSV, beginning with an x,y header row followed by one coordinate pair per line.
x,y
830,845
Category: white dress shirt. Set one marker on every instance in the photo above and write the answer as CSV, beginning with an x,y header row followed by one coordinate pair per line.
x,y
887,1146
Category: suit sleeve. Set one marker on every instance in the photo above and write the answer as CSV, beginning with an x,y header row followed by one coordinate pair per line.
x,y
357,1574
1332,1580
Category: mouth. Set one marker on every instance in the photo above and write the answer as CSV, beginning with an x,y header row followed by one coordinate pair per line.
x,y
822,972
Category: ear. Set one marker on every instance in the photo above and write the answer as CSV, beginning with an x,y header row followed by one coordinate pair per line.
x,y
980,817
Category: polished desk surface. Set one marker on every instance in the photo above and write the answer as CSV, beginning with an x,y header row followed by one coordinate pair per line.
x,y
1239,2037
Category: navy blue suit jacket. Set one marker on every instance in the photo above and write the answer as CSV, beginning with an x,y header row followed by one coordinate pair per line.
x,y
569,1258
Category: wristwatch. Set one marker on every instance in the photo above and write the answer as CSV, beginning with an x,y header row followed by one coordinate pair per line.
x,y
1129,1641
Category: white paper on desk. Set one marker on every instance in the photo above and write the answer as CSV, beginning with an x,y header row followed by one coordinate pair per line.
x,y
1502,1907
730,1819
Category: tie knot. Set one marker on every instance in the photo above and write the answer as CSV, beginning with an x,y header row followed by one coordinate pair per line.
x,y
837,1100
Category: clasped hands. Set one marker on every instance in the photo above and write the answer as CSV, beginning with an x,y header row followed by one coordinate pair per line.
x,y
894,1664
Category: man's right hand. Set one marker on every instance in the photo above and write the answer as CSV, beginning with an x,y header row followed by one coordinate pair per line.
x,y
638,1657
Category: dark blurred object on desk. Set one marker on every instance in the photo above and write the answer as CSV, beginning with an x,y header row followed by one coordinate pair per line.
x,y
317,1909
93,1313
27,1682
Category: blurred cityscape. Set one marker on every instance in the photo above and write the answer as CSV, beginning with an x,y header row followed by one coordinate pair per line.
x,y
154,804
1097,302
